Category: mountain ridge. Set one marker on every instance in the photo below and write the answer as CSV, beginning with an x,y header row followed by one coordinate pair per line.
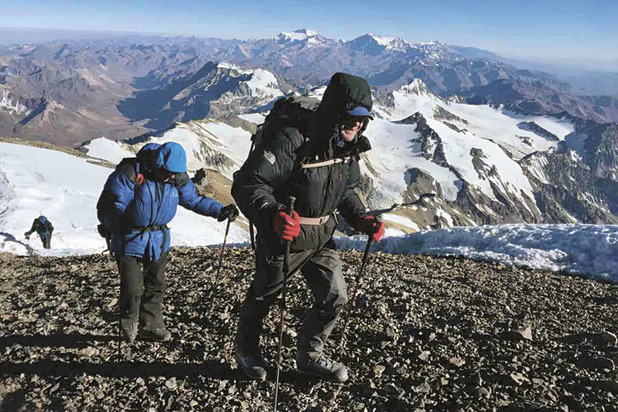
x,y
110,73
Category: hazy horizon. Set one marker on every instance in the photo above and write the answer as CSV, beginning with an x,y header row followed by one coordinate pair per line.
x,y
549,30
20,35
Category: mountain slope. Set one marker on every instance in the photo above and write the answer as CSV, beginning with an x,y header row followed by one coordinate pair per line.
x,y
431,333
65,188
214,90
471,152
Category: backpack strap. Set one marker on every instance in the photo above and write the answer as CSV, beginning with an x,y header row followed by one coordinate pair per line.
x,y
325,163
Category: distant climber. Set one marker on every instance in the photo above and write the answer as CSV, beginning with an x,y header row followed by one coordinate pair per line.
x,y
138,201
43,228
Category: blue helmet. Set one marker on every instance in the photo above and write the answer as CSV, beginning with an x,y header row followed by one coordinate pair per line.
x,y
171,157
146,156
42,219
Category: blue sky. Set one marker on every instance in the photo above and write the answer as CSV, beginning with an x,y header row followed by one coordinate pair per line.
x,y
542,29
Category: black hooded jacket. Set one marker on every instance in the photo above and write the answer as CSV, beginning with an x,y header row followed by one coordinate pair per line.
x,y
289,165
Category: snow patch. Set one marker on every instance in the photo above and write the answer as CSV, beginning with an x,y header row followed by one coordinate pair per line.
x,y
264,84
106,149
578,249
66,188
12,104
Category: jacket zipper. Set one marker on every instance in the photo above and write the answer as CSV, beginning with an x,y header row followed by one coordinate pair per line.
x,y
152,200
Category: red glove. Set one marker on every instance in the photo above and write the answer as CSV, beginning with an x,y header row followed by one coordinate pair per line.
x,y
286,227
371,226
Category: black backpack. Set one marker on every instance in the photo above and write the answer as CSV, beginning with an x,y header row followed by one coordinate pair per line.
x,y
295,111
298,112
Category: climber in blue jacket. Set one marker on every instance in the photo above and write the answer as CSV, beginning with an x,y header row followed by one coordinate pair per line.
x,y
43,228
138,201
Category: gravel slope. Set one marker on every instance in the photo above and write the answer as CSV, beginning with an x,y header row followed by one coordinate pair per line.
x,y
426,333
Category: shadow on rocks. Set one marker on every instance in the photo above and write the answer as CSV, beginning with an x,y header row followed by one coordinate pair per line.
x,y
13,401
58,340
210,369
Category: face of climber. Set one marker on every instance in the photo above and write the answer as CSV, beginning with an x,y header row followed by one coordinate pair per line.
x,y
163,176
350,126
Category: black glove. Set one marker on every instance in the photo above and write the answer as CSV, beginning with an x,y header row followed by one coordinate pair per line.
x,y
229,212
104,231
27,236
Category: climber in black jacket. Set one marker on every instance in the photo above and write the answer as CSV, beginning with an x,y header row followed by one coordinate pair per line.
x,y
319,165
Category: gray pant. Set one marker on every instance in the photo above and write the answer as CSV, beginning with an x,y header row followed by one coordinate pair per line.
x,y
322,271
142,287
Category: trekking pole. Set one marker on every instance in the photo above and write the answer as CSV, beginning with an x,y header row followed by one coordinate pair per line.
x,y
119,332
251,235
419,201
355,290
119,310
227,230
286,272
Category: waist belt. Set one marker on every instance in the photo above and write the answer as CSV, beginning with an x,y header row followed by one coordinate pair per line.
x,y
152,228
141,230
313,221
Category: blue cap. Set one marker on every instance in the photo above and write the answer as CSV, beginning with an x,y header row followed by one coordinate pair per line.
x,y
171,157
361,112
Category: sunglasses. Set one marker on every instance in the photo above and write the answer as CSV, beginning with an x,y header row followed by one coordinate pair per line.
x,y
349,120
162,175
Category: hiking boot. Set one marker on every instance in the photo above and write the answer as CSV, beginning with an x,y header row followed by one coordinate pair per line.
x,y
253,364
156,335
323,368
129,333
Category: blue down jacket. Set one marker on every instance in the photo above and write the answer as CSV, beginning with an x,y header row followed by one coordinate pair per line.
x,y
144,209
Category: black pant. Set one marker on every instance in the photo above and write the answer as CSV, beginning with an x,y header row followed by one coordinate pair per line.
x,y
142,287
46,240
322,271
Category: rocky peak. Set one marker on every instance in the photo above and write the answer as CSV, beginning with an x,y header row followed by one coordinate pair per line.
x,y
535,128
297,35
416,87
567,190
603,151
431,143
13,104
373,44
596,145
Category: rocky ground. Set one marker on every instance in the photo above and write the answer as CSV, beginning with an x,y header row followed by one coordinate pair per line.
x,y
425,333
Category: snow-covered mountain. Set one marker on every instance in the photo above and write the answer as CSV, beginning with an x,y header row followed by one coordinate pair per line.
x,y
470,154
373,44
214,90
301,35
69,92
209,143
502,159
486,165
65,187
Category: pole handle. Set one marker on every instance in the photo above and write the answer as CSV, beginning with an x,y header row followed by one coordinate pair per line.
x,y
290,205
